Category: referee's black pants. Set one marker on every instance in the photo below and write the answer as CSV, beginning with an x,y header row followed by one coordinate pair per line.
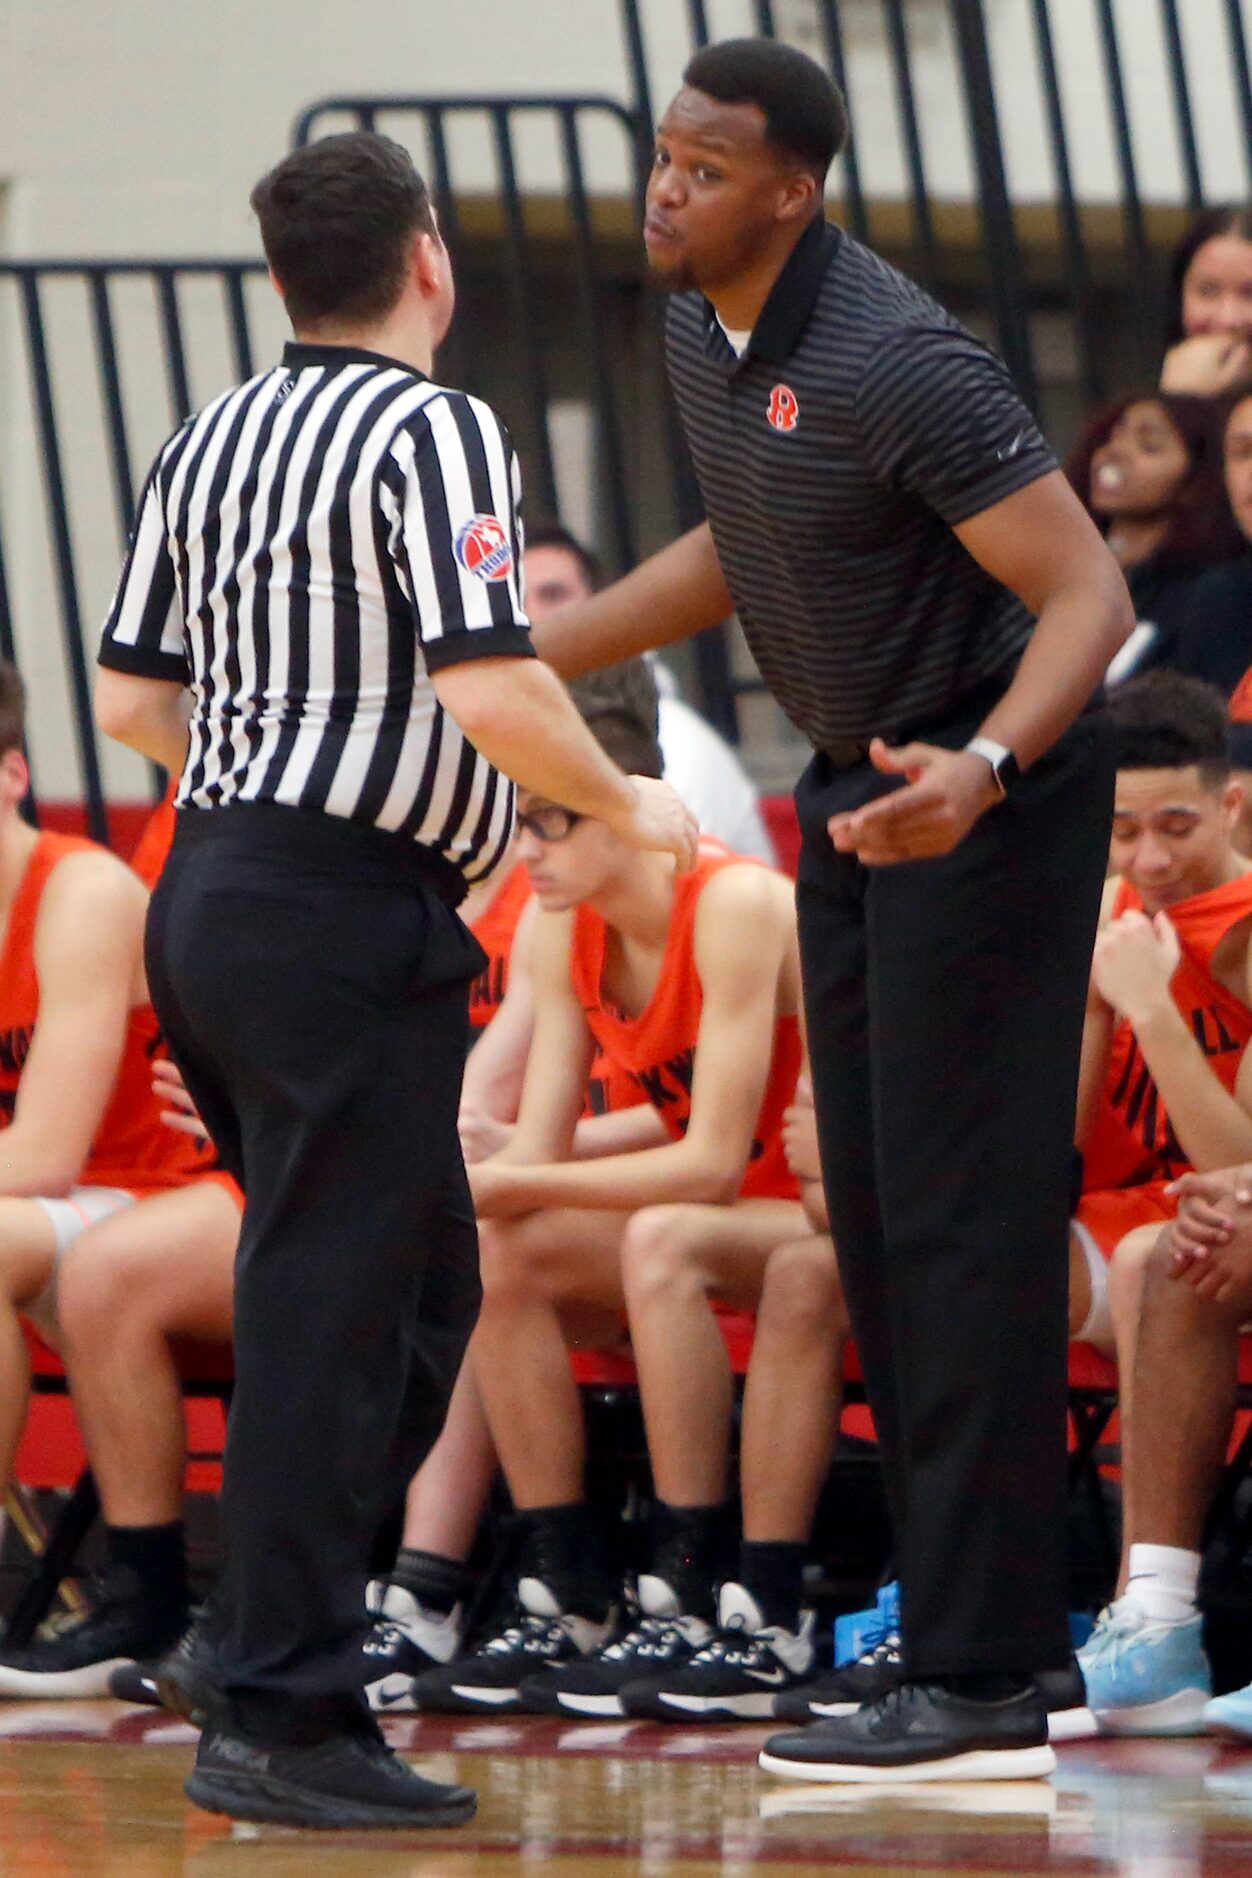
x,y
312,987
944,1001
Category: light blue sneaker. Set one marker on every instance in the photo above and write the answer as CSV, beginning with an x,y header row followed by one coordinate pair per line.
x,y
1231,1714
1146,1678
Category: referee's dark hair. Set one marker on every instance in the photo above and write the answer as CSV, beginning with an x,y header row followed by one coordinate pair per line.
x,y
1166,720
805,115
12,709
338,219
619,706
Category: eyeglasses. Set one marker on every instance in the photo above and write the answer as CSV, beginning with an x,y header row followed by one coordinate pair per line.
x,y
552,823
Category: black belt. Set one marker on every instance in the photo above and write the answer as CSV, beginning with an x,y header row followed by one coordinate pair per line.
x,y
847,754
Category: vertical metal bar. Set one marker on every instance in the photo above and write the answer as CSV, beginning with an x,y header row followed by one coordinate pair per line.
x,y
237,314
71,614
765,24
172,331
613,478
1132,205
906,102
1243,74
1090,349
699,20
524,312
8,649
1182,103
637,59
453,353
999,230
832,36
111,393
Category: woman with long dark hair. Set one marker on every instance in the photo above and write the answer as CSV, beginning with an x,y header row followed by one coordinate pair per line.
x,y
1148,470
1210,334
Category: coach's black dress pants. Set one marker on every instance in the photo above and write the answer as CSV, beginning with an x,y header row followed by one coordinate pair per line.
x,y
312,987
945,1002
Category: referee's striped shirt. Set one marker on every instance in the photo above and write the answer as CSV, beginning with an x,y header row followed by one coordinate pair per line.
x,y
310,548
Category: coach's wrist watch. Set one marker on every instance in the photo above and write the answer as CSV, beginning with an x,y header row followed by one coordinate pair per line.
x,y
1004,766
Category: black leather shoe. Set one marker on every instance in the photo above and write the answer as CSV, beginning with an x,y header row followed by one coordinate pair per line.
x,y
921,1731
349,1782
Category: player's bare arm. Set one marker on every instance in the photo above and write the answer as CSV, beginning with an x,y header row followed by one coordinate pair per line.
x,y
744,947
677,592
87,954
520,717
1134,964
1097,1048
1040,543
150,715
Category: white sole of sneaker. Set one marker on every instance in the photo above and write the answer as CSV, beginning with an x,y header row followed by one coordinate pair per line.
x,y
485,1698
754,1707
1072,1724
977,1764
61,1685
1179,1714
828,1709
591,1705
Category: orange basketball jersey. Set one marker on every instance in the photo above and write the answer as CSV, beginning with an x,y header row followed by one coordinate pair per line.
x,y
1133,1139
658,1048
133,1148
155,842
494,930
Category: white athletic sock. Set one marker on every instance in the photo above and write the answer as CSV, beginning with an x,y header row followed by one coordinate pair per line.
x,y
1162,1582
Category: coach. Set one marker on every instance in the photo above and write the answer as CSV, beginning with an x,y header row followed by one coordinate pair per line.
x,y
320,629
928,602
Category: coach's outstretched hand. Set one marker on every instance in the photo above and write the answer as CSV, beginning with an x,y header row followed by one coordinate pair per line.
x,y
944,793
660,820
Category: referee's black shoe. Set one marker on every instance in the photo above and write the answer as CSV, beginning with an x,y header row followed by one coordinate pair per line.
x,y
350,1782
185,1683
921,1731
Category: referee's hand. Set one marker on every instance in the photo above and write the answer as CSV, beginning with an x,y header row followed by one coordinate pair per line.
x,y
660,820
942,795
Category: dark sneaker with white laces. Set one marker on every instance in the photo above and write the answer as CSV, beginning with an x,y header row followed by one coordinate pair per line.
x,y
489,1681
406,1640
737,1674
844,1690
78,1662
662,1639
920,1731
135,1682
185,1683
351,1782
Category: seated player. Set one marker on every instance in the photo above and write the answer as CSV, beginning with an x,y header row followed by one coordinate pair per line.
x,y
1166,1080
1144,1664
85,1163
691,983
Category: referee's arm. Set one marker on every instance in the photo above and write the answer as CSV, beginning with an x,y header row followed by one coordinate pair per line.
x,y
141,695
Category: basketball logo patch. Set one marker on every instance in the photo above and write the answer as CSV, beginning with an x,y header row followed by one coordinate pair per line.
x,y
784,408
482,548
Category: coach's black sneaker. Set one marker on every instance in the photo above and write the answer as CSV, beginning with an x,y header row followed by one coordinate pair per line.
x,y
489,1680
921,1731
350,1782
406,1639
1065,1697
659,1642
738,1672
79,1661
844,1690
185,1683
135,1682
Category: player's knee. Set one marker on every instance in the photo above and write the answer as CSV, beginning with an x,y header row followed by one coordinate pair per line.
x,y
515,1261
801,1295
93,1295
659,1253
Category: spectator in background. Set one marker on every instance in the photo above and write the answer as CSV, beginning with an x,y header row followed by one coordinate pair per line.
x,y
1149,472
1216,638
1210,338
699,764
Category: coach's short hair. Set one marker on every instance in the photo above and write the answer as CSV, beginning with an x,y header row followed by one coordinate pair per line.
x,y
338,219
805,114
12,708
620,708
557,535
1165,720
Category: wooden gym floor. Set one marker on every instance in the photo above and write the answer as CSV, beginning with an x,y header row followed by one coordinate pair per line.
x,y
93,1790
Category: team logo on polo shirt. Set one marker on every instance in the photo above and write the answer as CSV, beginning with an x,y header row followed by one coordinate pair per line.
x,y
784,408
482,548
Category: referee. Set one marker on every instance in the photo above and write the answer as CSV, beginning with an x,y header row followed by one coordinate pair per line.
x,y
928,602
320,628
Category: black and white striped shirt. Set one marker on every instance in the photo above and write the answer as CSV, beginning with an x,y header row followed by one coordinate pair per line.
x,y
860,425
310,548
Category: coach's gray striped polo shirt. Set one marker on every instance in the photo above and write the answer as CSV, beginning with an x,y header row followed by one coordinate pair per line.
x,y
834,458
